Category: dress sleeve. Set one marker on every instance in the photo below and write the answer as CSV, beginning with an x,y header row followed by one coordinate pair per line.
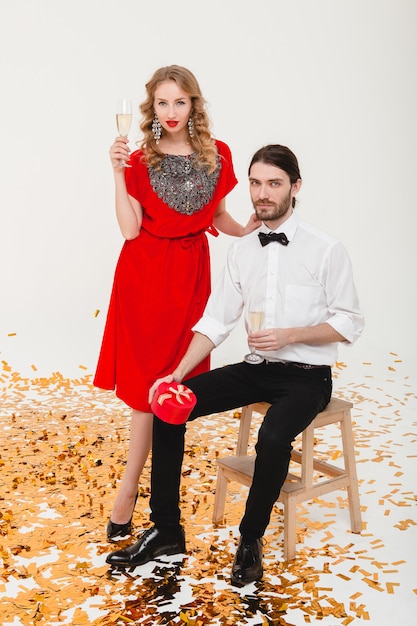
x,y
134,174
229,176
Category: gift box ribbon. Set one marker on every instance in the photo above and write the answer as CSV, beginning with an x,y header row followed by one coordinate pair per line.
x,y
179,393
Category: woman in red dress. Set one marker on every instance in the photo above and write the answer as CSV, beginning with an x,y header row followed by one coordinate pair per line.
x,y
172,193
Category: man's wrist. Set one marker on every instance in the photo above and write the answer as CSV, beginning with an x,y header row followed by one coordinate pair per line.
x,y
292,335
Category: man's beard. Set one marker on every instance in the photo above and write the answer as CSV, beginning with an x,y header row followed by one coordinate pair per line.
x,y
273,211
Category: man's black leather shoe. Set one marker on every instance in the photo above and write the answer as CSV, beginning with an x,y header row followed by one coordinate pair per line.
x,y
248,563
153,542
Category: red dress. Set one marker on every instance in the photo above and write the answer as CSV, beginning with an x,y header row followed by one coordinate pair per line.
x,y
162,280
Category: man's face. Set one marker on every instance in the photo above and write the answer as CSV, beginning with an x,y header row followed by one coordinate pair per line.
x,y
271,193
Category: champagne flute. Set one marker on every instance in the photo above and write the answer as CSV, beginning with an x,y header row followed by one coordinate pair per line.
x,y
124,121
255,323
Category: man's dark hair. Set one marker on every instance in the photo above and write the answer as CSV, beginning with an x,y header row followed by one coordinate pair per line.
x,y
279,156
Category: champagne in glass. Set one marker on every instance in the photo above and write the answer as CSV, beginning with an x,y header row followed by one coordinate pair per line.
x,y
124,120
255,323
256,320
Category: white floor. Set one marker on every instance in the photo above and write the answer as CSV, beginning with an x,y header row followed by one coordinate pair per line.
x,y
62,448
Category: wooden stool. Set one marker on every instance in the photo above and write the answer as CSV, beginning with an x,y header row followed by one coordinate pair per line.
x,y
296,488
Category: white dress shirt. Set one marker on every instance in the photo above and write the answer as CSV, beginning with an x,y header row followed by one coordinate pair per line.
x,y
306,283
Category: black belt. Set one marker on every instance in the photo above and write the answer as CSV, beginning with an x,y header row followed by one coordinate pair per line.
x,y
303,366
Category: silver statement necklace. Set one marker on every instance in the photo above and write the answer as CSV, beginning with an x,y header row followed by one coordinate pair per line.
x,y
182,186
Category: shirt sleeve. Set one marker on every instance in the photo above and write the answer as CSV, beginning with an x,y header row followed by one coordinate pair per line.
x,y
342,300
224,306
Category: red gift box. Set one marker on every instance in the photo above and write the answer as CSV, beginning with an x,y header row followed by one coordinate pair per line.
x,y
173,402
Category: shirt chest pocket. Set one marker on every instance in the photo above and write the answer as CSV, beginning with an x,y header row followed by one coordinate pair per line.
x,y
304,305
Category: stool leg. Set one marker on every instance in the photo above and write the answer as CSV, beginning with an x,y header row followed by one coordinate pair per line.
x,y
220,496
307,457
290,534
350,466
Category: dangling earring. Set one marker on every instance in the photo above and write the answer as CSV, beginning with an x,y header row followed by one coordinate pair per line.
x,y
156,129
191,126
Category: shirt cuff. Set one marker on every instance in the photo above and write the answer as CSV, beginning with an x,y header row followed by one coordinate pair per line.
x,y
214,330
349,329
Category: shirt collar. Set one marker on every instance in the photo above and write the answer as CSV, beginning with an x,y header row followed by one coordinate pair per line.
x,y
288,227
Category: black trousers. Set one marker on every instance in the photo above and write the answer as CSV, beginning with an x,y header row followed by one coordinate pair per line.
x,y
296,396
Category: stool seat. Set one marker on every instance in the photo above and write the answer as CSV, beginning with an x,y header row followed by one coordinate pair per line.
x,y
316,477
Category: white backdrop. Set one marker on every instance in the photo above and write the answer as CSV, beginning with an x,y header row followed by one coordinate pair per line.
x,y
335,80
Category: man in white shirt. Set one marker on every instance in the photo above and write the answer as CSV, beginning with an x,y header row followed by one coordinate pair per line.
x,y
303,278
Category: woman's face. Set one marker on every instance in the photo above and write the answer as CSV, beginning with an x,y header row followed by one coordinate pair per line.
x,y
172,106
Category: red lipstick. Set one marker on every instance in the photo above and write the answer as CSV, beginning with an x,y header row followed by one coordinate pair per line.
x,y
172,124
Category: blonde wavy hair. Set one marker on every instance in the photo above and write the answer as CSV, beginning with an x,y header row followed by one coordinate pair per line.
x,y
202,142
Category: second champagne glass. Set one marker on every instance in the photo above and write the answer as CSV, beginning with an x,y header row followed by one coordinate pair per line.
x,y
255,322
124,120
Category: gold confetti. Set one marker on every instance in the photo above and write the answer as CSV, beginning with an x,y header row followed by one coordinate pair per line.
x,y
65,453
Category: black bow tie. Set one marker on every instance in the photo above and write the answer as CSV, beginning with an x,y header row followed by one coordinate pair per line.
x,y
265,238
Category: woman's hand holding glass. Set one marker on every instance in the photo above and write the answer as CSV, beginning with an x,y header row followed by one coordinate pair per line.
x,y
119,152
